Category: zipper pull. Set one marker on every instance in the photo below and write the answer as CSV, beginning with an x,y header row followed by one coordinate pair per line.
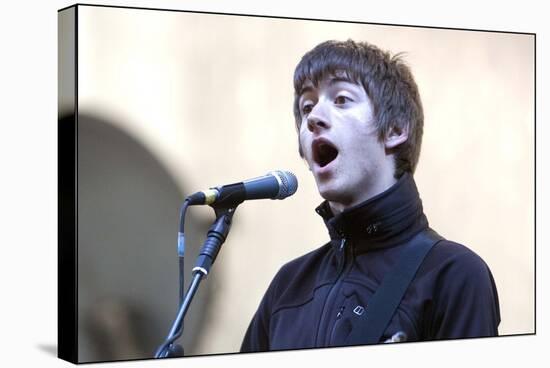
x,y
340,312
342,243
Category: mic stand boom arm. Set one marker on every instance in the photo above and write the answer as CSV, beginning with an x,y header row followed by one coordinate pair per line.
x,y
215,238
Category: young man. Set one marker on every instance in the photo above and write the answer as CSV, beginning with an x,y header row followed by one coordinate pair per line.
x,y
359,117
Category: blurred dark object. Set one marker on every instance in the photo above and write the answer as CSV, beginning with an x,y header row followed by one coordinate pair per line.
x,y
127,213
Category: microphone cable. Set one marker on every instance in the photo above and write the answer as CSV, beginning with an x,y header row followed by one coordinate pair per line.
x,y
168,345
181,248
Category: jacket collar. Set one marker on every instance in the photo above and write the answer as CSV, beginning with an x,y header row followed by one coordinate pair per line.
x,y
387,219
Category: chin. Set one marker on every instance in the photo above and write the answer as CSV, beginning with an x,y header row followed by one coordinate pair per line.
x,y
342,192
332,194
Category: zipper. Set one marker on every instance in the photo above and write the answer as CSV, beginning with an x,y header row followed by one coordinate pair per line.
x,y
335,324
323,337
342,244
340,312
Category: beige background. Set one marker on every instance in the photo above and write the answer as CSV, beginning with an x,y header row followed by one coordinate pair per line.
x,y
211,97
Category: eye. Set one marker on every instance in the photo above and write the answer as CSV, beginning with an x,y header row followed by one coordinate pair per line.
x,y
340,100
306,108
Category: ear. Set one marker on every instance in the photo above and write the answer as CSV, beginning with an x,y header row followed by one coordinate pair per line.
x,y
396,136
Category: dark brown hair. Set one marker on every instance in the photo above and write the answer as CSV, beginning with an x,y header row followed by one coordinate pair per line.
x,y
388,82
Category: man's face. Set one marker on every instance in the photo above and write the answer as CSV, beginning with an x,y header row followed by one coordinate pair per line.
x,y
340,142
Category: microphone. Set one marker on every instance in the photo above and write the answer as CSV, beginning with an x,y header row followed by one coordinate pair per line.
x,y
274,185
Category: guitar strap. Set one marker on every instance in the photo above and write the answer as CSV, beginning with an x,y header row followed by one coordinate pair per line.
x,y
371,325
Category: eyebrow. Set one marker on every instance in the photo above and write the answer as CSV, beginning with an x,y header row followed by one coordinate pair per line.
x,y
332,80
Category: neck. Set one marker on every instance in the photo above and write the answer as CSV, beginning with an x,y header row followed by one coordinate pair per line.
x,y
383,183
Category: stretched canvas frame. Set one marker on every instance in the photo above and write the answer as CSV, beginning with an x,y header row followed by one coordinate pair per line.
x,y
130,94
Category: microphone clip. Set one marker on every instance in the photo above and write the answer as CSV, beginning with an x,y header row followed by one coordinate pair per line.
x,y
229,197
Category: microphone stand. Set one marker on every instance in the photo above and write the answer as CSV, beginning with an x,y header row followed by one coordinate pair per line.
x,y
215,238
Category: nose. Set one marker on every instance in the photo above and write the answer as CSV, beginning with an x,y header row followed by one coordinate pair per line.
x,y
318,118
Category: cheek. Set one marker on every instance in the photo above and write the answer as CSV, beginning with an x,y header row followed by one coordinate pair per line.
x,y
364,148
304,142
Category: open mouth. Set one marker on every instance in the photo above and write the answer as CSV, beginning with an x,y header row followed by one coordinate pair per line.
x,y
324,152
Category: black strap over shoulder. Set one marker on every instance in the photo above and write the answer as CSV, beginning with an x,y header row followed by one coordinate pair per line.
x,y
387,297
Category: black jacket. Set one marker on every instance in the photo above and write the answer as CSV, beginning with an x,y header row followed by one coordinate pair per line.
x,y
314,300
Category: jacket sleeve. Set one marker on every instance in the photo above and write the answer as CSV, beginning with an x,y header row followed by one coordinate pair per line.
x,y
257,335
467,303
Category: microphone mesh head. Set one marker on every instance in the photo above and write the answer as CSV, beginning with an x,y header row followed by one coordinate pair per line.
x,y
288,183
